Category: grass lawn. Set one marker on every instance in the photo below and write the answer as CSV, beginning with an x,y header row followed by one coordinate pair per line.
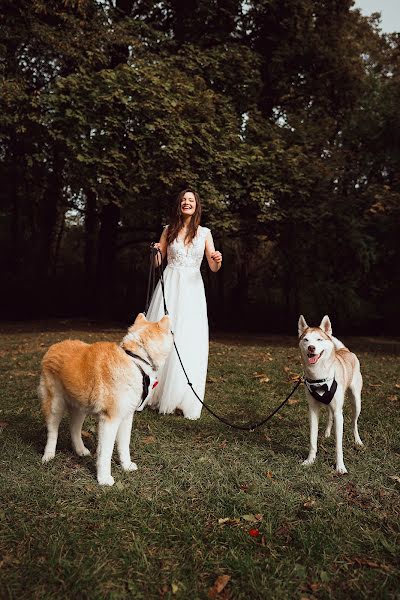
x,y
211,512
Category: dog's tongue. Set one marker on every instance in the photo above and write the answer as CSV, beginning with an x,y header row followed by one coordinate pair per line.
x,y
313,359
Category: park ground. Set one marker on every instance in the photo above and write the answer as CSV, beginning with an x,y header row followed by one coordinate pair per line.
x,y
212,512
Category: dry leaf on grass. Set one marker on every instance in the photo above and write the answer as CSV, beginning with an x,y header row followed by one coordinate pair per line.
x,y
262,377
395,478
292,401
174,588
219,585
149,439
228,521
359,561
254,532
3,424
250,518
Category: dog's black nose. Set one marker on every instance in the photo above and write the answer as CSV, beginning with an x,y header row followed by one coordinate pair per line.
x,y
311,349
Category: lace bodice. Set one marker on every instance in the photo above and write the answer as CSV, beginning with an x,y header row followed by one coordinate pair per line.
x,y
190,256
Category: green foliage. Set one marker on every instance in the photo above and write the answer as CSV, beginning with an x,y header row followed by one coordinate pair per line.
x,y
284,115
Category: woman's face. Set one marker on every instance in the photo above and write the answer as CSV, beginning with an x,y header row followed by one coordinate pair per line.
x,y
188,204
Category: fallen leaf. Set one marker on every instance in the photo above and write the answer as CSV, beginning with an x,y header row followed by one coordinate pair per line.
x,y
395,478
262,377
259,517
228,521
3,424
284,532
119,485
250,518
366,562
149,439
174,588
223,444
309,504
269,474
393,398
397,385
219,585
293,401
86,434
254,532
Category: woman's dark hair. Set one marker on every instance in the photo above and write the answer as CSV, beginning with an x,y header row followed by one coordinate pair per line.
x,y
177,219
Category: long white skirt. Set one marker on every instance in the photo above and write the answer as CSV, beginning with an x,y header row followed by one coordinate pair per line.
x,y
187,308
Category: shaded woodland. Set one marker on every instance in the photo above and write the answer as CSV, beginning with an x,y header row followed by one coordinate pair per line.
x,y
283,114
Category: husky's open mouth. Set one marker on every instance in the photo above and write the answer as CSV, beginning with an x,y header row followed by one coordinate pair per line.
x,y
314,358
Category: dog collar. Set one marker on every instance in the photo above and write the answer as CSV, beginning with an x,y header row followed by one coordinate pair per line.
x,y
133,355
327,396
148,384
319,380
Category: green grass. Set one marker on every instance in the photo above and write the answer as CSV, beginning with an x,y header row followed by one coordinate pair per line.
x,y
156,533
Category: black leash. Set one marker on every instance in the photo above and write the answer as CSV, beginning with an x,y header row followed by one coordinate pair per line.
x,y
250,427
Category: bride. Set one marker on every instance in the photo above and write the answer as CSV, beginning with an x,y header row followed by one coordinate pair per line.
x,y
184,242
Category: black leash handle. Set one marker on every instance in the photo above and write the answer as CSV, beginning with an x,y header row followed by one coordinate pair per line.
x,y
250,427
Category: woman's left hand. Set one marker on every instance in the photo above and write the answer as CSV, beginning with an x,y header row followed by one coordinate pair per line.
x,y
216,256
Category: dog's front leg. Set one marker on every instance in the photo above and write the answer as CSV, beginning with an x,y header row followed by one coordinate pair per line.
x,y
107,432
123,441
338,418
313,406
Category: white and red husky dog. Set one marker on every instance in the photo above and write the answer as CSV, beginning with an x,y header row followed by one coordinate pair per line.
x,y
105,380
330,370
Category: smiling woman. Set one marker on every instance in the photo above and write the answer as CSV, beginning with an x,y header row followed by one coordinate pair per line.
x,y
184,242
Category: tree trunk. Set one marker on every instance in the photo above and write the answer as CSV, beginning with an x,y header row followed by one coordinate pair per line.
x,y
106,258
91,231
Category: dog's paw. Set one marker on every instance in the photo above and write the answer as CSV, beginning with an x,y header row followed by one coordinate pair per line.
x,y
130,467
327,433
341,470
47,456
308,462
359,443
84,452
106,480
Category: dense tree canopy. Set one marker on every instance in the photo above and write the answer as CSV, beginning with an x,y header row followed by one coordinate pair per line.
x,y
283,114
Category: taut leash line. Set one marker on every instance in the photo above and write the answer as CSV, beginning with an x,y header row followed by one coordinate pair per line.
x,y
250,427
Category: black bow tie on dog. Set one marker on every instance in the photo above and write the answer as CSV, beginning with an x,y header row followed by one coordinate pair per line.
x,y
328,393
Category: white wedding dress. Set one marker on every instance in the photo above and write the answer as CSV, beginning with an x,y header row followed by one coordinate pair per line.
x,y
187,308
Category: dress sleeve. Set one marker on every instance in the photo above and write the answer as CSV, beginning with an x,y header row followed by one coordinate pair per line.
x,y
205,231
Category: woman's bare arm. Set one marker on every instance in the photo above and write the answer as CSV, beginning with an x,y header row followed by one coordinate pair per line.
x,y
214,257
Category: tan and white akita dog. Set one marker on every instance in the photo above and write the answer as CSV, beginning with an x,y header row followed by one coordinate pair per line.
x,y
105,380
330,370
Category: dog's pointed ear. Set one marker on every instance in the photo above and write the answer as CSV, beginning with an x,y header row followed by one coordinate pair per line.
x,y
326,325
164,323
302,325
139,321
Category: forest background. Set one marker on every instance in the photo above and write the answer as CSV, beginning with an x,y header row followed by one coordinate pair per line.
x,y
283,114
